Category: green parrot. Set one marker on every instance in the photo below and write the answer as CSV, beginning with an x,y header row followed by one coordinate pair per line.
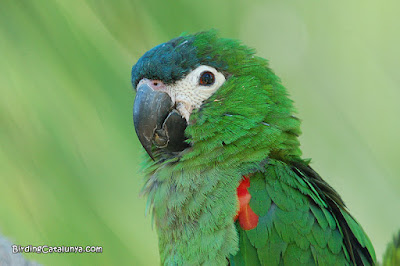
x,y
224,178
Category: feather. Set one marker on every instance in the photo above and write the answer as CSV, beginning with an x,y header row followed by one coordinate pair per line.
x,y
299,228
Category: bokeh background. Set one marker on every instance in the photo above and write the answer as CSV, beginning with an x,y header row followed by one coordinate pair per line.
x,y
69,157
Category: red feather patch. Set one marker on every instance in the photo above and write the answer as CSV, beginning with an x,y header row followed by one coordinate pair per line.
x,y
247,218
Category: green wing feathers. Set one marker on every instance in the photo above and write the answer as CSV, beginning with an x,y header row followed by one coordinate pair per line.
x,y
302,220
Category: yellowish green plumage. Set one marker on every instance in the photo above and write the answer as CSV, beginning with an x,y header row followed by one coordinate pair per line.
x,y
246,127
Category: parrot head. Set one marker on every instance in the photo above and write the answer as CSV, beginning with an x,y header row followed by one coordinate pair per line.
x,y
201,88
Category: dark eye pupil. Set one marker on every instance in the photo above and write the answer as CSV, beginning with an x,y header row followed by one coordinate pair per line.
x,y
207,78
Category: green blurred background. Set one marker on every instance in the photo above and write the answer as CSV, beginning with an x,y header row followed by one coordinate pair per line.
x,y
69,157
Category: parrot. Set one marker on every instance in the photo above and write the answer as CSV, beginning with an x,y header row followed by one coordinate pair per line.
x,y
224,176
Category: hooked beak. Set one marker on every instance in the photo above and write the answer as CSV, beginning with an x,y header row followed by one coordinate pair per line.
x,y
157,122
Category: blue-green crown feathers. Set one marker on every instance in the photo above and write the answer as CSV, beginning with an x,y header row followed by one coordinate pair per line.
x,y
171,61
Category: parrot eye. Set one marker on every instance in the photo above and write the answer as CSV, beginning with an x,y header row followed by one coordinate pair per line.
x,y
207,78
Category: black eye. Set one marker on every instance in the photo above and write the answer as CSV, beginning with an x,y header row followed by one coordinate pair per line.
x,y
207,78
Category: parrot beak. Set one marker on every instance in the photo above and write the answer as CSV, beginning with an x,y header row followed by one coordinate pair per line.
x,y
157,122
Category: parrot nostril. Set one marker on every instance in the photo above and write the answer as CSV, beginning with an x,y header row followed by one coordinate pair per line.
x,y
156,84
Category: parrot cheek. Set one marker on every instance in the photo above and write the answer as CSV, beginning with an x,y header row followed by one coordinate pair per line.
x,y
184,110
185,102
